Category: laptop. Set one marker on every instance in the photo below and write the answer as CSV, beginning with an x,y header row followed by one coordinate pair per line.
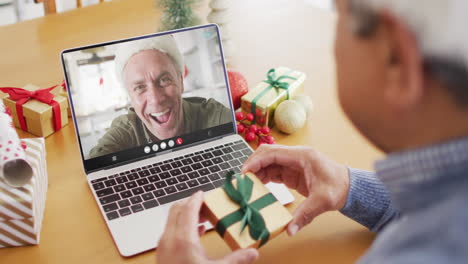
x,y
155,123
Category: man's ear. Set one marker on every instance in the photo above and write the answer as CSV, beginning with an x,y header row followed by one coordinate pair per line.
x,y
404,84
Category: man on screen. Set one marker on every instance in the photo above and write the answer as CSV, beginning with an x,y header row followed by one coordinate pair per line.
x,y
152,71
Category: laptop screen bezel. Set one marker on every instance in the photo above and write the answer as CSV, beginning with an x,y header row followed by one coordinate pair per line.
x,y
134,154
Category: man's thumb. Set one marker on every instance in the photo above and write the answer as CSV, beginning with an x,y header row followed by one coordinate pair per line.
x,y
241,256
303,215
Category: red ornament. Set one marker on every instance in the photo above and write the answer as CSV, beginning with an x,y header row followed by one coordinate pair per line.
x,y
239,116
238,86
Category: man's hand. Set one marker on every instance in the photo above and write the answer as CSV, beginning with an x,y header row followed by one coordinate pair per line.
x,y
180,242
324,182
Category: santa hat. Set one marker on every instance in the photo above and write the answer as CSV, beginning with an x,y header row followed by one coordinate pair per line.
x,y
164,43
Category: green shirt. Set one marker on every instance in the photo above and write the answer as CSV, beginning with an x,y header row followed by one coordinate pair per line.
x,y
128,131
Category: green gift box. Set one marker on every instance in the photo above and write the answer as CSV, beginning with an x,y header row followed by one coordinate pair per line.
x,y
244,212
281,84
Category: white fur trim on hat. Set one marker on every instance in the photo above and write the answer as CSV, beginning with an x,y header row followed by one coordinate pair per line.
x,y
164,43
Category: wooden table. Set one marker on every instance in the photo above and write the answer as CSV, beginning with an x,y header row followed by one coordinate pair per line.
x,y
266,34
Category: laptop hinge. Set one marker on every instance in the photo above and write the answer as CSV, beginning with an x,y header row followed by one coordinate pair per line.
x,y
158,154
129,161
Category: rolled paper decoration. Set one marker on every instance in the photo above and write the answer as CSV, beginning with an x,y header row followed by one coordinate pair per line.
x,y
14,167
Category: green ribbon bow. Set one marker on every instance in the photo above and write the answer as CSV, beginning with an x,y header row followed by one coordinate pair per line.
x,y
273,83
249,214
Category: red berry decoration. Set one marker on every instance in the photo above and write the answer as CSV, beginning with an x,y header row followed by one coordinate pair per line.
x,y
262,120
250,117
238,86
253,129
249,137
265,130
239,116
240,128
252,132
269,139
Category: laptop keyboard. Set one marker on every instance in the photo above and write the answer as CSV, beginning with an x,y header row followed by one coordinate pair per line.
x,y
150,186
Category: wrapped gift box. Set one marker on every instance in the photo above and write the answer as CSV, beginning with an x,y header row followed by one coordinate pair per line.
x,y
60,90
38,115
225,214
22,209
282,83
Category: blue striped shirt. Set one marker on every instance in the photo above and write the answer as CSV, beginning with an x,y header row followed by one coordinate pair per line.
x,y
416,202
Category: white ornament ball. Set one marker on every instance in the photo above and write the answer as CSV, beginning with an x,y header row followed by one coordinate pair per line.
x,y
290,116
306,102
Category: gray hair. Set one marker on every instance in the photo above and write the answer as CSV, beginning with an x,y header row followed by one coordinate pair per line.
x,y
439,63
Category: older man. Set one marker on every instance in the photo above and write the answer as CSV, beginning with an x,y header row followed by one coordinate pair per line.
x,y
152,72
410,58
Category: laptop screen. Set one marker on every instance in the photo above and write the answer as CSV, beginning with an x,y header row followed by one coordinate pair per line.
x,y
140,97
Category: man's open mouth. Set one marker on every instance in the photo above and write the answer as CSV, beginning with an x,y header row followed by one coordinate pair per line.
x,y
161,117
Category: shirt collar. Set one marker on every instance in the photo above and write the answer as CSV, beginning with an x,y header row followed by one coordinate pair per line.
x,y
409,175
188,117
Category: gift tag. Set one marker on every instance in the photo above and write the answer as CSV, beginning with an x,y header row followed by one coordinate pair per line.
x,y
281,192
